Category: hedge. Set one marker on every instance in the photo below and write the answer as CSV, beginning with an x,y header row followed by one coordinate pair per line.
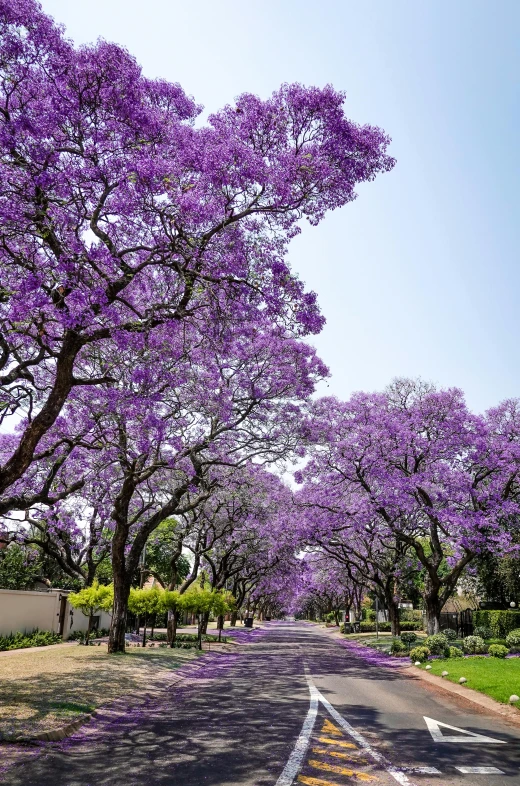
x,y
369,627
501,622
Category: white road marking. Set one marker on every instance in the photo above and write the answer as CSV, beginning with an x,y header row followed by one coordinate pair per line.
x,y
469,736
480,770
396,773
422,770
295,761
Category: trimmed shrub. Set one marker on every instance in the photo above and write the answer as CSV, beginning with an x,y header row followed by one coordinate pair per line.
x,y
501,622
484,631
513,639
419,653
473,645
437,644
449,633
385,627
397,647
455,652
408,637
498,651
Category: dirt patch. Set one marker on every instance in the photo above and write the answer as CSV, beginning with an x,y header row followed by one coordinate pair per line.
x,y
42,691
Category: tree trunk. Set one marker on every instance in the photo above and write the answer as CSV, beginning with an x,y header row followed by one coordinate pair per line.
x,y
116,640
144,630
220,625
433,607
233,619
393,614
199,631
89,626
172,627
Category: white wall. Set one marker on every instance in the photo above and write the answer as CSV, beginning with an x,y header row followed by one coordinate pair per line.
x,y
23,611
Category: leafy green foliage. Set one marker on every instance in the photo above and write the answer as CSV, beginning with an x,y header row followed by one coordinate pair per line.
x,y
18,641
449,634
408,637
474,645
455,652
397,647
159,550
501,622
484,631
498,651
437,644
513,639
419,653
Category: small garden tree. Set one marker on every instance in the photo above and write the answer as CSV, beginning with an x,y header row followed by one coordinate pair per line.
x,y
91,600
146,603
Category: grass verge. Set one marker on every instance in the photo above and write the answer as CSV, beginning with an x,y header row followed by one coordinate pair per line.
x,y
492,676
41,691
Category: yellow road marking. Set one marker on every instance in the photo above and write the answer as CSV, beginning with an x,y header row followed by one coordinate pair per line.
x,y
315,781
329,728
322,765
338,743
339,755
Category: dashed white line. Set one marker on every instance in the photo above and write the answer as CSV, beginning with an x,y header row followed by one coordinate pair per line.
x,y
480,770
295,761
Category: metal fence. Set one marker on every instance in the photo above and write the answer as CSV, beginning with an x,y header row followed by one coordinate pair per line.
x,y
459,621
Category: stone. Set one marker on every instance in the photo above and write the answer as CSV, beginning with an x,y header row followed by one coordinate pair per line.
x,y
462,680
514,698
428,667
444,673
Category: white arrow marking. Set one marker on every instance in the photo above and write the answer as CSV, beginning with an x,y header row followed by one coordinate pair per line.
x,y
469,736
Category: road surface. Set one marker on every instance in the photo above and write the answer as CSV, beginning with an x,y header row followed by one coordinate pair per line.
x,y
291,707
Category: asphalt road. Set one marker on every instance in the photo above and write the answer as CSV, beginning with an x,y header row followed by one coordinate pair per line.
x,y
291,706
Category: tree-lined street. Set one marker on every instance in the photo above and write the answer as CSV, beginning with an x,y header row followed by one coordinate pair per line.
x,y
237,720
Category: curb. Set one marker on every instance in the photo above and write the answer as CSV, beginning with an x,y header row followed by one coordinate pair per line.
x,y
54,735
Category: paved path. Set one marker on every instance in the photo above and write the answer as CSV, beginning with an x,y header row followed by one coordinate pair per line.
x,y
291,706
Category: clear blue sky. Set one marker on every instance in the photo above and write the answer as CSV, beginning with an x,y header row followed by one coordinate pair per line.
x,y
420,276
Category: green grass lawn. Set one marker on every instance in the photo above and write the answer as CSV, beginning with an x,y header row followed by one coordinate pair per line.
x,y
383,643
492,676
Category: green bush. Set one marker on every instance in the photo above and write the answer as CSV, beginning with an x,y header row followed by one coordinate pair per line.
x,y
411,615
19,641
408,637
484,631
419,653
501,622
397,647
513,639
455,652
384,627
437,644
473,645
498,651
449,633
